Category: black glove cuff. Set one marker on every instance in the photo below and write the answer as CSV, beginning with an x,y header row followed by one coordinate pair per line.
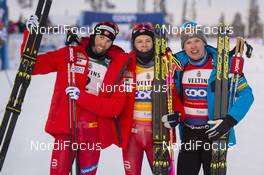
x,y
230,120
173,117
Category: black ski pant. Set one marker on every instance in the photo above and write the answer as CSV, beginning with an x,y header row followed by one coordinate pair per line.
x,y
195,152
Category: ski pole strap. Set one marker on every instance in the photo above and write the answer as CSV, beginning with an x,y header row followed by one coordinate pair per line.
x,y
72,38
233,51
249,50
177,65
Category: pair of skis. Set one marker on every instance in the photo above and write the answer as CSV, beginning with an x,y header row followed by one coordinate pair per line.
x,y
225,96
22,80
164,68
219,149
160,134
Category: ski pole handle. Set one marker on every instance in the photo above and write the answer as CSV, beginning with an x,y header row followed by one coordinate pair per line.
x,y
237,65
72,38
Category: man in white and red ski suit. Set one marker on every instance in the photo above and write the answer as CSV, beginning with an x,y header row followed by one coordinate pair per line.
x,y
97,110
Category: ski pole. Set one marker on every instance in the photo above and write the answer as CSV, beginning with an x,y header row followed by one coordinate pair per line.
x,y
236,68
75,126
71,38
70,116
169,104
173,65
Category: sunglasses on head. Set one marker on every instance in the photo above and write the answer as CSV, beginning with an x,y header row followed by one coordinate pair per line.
x,y
143,26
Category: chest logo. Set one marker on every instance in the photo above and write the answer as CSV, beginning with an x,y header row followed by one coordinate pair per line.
x,y
195,92
199,74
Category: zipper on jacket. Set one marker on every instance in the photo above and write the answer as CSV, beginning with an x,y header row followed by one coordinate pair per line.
x,y
118,131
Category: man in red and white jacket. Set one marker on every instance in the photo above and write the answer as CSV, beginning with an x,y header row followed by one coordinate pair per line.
x,y
98,64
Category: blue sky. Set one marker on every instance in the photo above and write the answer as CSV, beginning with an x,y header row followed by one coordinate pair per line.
x,y
205,14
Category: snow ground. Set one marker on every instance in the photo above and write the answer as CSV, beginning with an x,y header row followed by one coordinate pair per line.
x,y
246,158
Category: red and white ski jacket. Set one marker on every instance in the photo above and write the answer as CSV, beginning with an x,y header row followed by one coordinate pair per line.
x,y
105,107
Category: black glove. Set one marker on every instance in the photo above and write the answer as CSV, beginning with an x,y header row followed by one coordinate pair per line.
x,y
171,120
72,38
221,127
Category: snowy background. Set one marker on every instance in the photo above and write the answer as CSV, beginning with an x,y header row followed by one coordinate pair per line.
x,y
208,11
246,158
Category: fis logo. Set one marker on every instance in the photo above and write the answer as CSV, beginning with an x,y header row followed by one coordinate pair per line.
x,y
196,93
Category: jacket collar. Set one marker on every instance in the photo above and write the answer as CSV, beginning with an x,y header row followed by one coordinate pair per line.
x,y
115,53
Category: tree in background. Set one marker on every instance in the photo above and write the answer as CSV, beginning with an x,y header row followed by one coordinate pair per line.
x,y
255,28
25,3
184,11
160,6
239,27
97,5
141,4
222,18
193,10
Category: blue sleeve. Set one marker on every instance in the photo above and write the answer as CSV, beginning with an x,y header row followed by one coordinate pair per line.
x,y
244,99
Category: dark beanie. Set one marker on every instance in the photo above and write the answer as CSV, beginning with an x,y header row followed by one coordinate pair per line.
x,y
142,29
190,30
142,32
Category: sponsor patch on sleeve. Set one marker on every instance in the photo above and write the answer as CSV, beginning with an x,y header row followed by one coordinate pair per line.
x,y
128,74
81,62
80,55
78,69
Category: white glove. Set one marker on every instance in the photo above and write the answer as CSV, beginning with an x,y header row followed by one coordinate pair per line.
x,y
73,92
32,23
